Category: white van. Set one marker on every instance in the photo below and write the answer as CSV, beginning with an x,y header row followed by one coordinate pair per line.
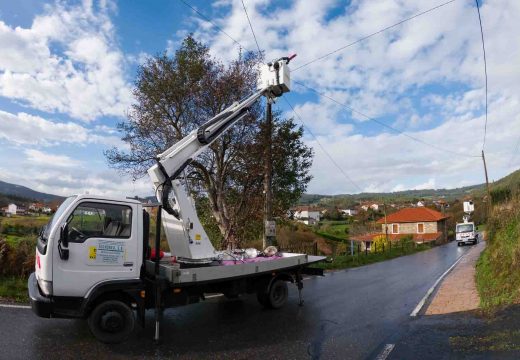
x,y
466,233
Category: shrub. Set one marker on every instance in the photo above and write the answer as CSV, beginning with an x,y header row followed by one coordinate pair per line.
x,y
18,260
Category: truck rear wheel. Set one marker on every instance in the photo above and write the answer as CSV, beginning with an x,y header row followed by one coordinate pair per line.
x,y
111,321
278,294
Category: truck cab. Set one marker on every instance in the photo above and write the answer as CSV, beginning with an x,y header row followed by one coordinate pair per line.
x,y
92,245
466,233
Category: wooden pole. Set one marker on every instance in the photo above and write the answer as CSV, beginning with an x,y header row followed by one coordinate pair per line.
x,y
487,182
268,239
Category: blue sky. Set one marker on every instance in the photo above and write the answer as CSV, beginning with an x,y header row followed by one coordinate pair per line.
x,y
67,69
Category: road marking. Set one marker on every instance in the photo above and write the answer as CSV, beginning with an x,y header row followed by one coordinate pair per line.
x,y
15,306
212,296
430,291
386,351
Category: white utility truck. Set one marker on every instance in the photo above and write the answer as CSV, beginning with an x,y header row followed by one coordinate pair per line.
x,y
466,233
94,261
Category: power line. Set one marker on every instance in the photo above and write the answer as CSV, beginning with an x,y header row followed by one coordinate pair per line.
x,y
375,33
251,26
212,23
321,146
485,72
385,125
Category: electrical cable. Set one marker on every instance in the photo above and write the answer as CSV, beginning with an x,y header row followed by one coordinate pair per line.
x,y
485,72
375,33
385,125
321,146
251,26
212,23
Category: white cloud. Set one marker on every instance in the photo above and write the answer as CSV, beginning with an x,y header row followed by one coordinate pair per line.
x,y
49,160
67,61
66,181
25,129
435,59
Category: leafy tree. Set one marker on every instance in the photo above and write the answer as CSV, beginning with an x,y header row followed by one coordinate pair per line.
x,y
176,94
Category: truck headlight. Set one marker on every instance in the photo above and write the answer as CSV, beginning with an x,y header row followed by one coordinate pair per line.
x,y
45,286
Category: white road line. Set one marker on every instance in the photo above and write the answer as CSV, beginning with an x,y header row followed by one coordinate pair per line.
x,y
212,296
430,291
15,306
385,352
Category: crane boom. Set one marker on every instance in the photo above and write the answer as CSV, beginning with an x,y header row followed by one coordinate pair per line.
x,y
186,236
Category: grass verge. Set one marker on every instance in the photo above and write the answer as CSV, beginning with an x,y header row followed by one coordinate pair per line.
x,y
349,261
498,269
13,288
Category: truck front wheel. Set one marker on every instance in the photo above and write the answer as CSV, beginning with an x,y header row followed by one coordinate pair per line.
x,y
111,321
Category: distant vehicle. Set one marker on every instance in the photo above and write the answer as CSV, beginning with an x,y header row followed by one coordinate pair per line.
x,y
466,233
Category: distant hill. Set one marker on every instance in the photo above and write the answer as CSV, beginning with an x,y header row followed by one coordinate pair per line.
x,y
18,193
398,196
509,181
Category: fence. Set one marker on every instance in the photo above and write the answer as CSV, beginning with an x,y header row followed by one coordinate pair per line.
x,y
402,246
310,249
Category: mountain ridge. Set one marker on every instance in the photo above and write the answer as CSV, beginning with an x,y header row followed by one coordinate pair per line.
x,y
17,192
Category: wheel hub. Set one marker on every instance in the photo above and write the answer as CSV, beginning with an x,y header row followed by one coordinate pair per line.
x,y
112,321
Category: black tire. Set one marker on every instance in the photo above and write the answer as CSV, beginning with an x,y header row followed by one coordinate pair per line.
x,y
111,322
278,294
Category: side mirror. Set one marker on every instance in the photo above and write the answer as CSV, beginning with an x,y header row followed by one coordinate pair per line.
x,y
64,235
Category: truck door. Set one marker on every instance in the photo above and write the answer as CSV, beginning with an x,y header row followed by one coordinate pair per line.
x,y
102,246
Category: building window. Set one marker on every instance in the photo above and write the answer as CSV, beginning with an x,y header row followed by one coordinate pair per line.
x,y
395,228
420,228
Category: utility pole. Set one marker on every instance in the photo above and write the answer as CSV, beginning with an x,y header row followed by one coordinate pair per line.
x,y
269,224
487,182
386,224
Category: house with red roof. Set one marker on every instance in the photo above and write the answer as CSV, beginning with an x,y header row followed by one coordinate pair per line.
x,y
422,223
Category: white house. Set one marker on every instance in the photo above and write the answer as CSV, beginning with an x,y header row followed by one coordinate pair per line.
x,y
349,212
306,215
420,204
11,209
374,207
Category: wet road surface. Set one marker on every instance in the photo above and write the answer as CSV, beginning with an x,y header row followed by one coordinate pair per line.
x,y
349,314
465,335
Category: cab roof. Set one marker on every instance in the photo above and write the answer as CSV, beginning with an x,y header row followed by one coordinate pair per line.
x,y
104,197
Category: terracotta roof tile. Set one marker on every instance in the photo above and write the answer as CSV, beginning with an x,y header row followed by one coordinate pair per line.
x,y
413,215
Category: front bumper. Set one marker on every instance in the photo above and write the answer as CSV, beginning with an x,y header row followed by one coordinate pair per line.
x,y
466,241
41,305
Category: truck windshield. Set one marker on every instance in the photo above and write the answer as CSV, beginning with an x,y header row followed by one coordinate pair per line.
x,y
464,228
45,232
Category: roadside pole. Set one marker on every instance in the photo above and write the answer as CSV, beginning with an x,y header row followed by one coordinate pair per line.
x,y
487,184
269,225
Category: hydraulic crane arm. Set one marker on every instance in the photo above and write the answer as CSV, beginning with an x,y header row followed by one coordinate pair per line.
x,y
186,236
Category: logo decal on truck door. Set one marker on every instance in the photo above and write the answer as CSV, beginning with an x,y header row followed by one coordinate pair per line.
x,y
107,252
92,252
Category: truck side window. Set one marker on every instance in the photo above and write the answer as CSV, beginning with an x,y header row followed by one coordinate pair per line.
x,y
91,219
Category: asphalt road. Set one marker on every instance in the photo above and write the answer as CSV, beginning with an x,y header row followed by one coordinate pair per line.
x,y
349,314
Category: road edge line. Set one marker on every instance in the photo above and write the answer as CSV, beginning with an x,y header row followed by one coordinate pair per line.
x,y
430,290
385,352
15,306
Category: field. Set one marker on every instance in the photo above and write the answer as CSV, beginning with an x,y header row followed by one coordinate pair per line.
x,y
333,230
17,242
